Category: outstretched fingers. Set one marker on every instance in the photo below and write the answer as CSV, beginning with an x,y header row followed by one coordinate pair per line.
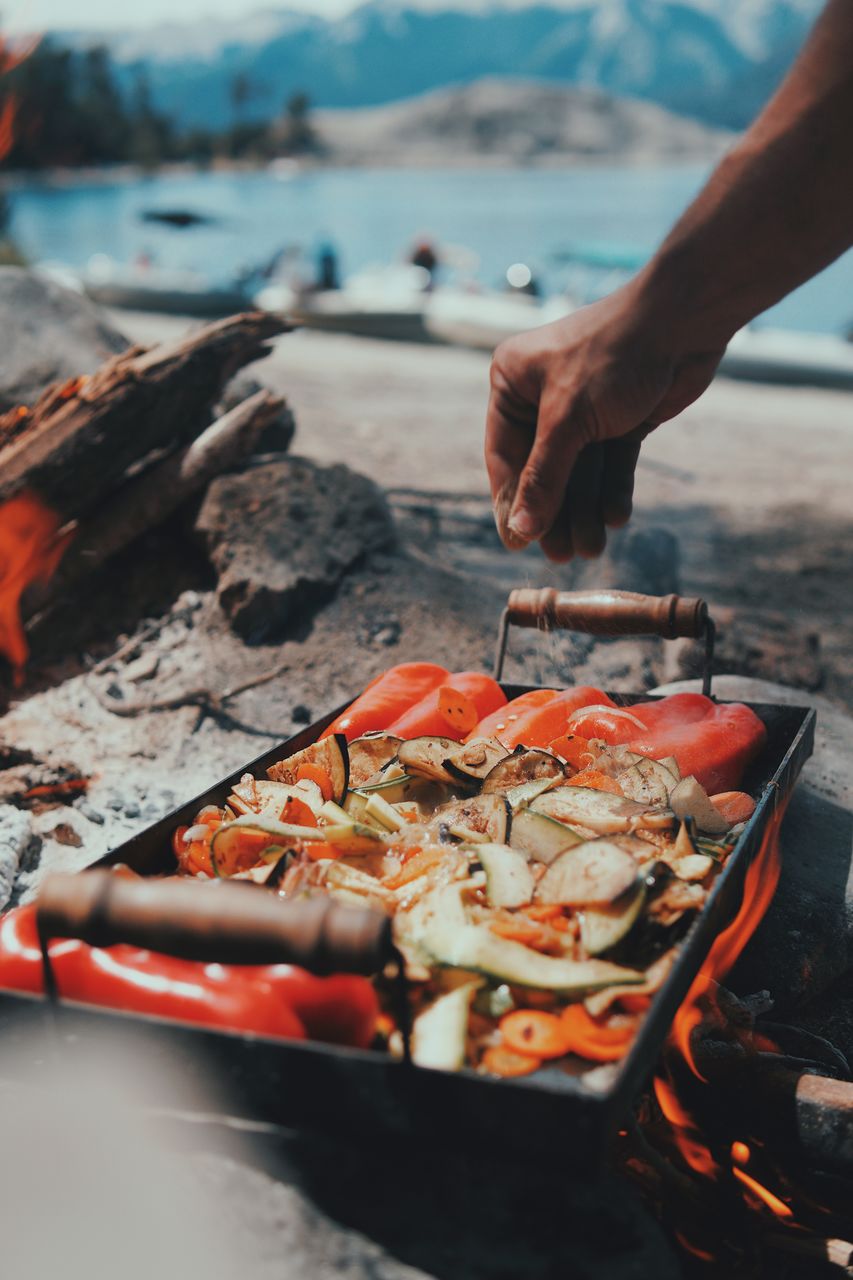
x,y
543,481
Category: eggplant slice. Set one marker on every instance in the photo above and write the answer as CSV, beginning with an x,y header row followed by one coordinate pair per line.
x,y
425,757
593,874
370,754
329,754
488,816
521,767
601,811
541,838
471,762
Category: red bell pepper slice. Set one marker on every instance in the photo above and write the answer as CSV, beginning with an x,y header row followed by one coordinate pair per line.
x,y
715,742
426,719
541,725
270,1000
386,698
501,721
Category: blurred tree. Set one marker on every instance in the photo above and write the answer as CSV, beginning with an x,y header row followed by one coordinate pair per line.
x,y
298,131
152,136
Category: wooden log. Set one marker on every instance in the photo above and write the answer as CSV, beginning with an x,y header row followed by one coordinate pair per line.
x,y
77,444
148,499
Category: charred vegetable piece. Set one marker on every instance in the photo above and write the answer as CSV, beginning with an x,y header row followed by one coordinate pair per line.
x,y
542,838
328,758
488,816
271,798
595,873
690,800
369,754
477,949
526,792
238,845
603,927
600,811
425,757
440,1031
470,762
509,880
648,782
522,767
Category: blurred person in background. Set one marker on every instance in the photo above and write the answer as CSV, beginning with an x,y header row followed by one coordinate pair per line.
x,y
572,401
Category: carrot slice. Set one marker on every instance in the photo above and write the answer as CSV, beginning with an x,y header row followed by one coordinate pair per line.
x,y
606,1041
297,812
597,780
315,773
319,849
735,806
544,911
574,749
457,709
542,1035
500,1061
422,862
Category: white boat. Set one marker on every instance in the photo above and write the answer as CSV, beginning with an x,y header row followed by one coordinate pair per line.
x,y
482,320
789,357
144,287
379,302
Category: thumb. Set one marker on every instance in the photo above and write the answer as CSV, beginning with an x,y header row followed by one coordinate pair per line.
x,y
543,481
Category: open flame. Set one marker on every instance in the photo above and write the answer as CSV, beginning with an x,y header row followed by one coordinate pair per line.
x,y
760,884
32,544
11,56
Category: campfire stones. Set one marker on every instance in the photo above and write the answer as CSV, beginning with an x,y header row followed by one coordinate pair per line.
x,y
282,535
49,334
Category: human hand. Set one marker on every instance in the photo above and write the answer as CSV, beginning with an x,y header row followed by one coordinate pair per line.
x,y
571,403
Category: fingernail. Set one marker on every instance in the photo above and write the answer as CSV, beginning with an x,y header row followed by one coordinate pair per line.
x,y
523,523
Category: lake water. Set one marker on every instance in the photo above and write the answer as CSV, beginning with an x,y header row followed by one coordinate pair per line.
x,y
374,215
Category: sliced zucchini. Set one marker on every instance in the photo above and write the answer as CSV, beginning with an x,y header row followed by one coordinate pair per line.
x,y
382,812
603,927
355,806
353,837
333,814
238,845
392,790
476,948
488,816
526,792
601,811
440,1032
689,799
425,757
540,837
509,880
655,977
648,782
523,767
369,754
471,762
330,754
595,873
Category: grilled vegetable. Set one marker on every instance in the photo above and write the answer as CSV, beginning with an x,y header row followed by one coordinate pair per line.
x,y
647,781
272,799
600,811
328,758
386,698
595,873
440,1031
690,800
522,767
425,757
369,754
540,837
488,816
603,927
509,880
474,760
392,790
542,724
238,845
504,719
434,714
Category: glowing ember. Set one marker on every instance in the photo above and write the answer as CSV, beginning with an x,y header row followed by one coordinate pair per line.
x,y
766,1197
31,547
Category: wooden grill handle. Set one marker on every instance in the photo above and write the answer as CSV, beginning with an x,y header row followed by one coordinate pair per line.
x,y
608,613
218,922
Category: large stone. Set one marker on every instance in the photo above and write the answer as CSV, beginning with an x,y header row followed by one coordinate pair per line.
x,y
49,334
805,942
282,535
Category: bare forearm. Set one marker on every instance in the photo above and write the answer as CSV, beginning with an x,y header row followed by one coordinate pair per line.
x,y
777,209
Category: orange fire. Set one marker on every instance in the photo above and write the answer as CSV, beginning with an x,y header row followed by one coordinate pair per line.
x,y
761,880
10,57
31,547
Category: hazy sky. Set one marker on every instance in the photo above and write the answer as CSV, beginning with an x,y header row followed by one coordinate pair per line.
x,y
46,15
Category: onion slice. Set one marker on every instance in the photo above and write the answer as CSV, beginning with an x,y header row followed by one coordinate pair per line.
x,y
600,708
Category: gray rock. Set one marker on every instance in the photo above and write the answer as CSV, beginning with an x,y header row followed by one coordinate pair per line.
x,y
49,334
276,437
282,535
805,941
